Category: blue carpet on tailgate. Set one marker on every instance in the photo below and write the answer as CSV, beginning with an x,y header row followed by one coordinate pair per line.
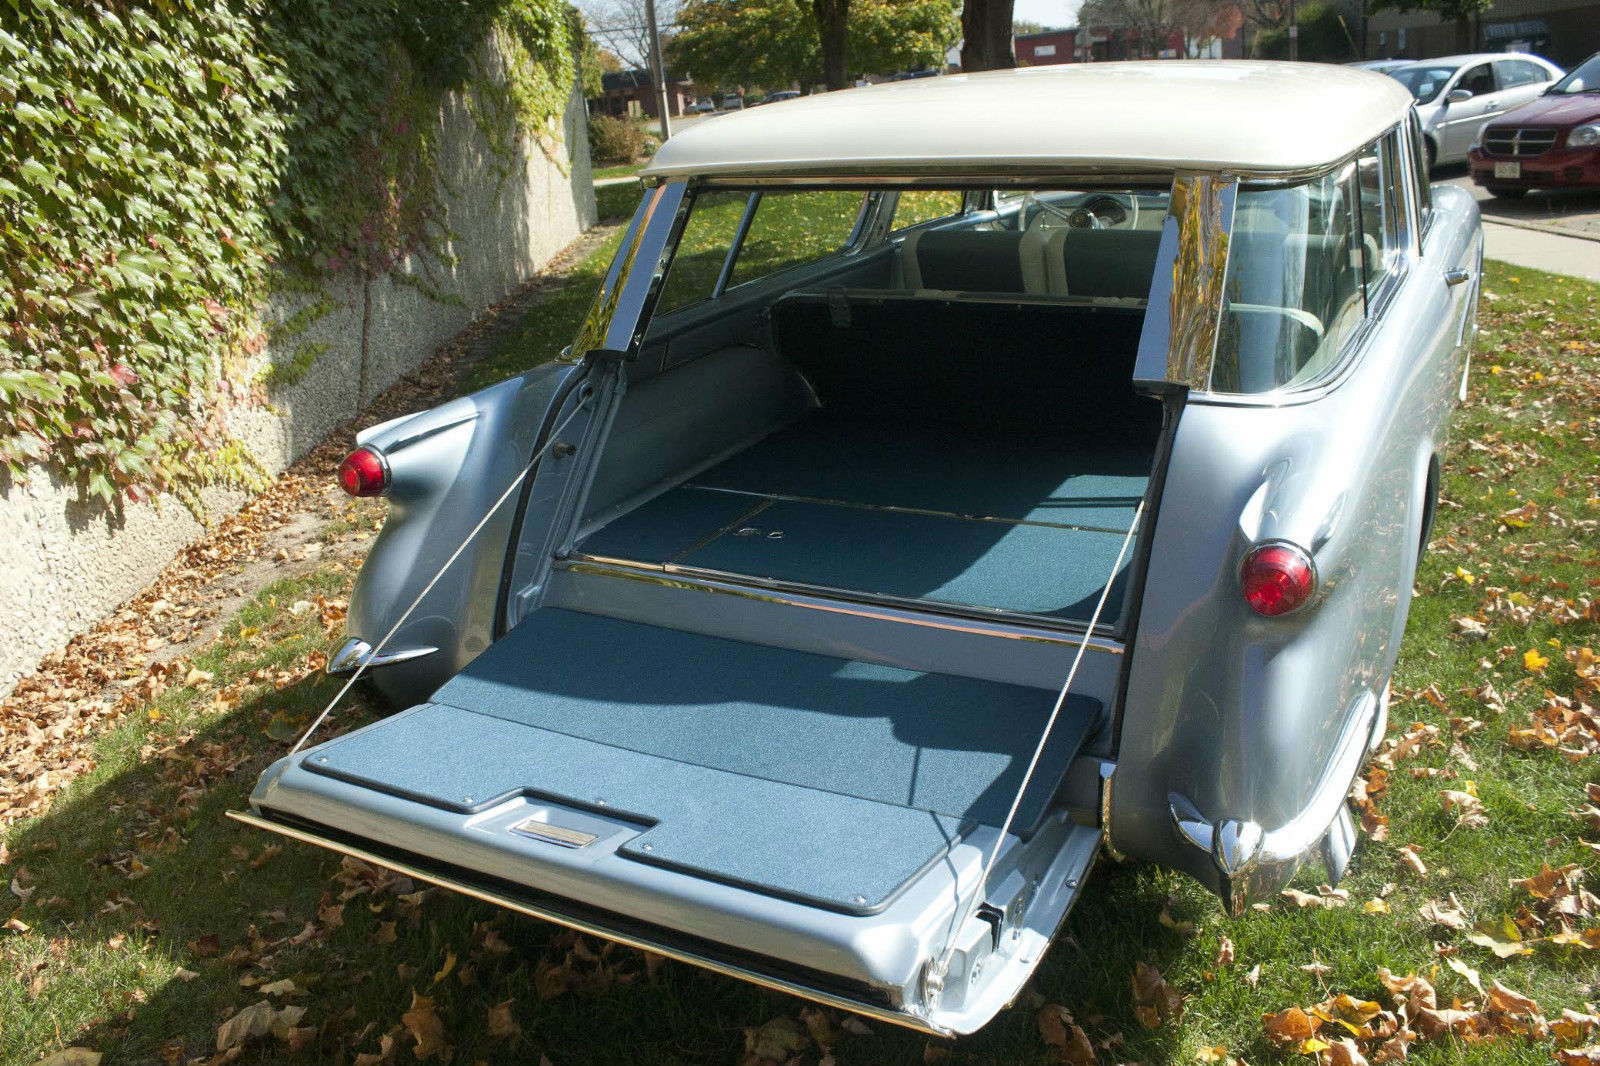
x,y
828,778
820,847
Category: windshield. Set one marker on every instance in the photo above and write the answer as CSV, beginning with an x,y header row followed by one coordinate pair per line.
x,y
1585,78
1425,83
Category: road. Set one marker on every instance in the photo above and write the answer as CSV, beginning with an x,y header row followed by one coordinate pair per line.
x,y
1558,232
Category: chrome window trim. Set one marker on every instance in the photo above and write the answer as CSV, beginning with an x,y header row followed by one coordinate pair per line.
x,y
616,319
1178,341
751,205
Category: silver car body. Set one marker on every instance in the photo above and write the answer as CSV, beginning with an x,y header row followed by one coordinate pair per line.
x,y
1210,738
1456,95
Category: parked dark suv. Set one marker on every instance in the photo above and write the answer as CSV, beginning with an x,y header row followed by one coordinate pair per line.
x,y
1551,142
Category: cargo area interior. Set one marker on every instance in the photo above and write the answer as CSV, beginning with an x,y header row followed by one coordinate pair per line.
x,y
984,456
979,454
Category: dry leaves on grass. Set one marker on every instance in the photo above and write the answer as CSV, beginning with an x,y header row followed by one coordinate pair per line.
x,y
1451,915
1155,1001
1065,1037
774,1042
1467,808
257,1021
1346,1030
1325,896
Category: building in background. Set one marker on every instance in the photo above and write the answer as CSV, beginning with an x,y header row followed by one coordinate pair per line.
x,y
626,93
1562,31
1096,43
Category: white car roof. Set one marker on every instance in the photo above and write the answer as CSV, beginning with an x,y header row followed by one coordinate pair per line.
x,y
1140,116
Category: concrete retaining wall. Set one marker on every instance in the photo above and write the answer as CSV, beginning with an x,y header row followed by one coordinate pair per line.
x,y
70,563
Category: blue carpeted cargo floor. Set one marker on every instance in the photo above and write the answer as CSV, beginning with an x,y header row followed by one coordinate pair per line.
x,y
801,775
1010,521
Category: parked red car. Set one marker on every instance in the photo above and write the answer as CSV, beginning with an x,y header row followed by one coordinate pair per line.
x,y
1551,142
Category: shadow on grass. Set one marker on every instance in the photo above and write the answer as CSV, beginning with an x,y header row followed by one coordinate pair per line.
x,y
142,873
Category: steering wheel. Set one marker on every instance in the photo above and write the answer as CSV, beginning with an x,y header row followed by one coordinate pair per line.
x,y
1100,211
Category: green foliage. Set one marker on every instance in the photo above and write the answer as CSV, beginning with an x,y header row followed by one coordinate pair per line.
x,y
167,160
774,43
615,140
1323,37
1458,11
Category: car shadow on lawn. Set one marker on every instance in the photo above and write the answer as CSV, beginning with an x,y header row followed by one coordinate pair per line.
x,y
142,873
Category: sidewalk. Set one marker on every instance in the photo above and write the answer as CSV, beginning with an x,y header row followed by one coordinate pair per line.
x,y
1577,257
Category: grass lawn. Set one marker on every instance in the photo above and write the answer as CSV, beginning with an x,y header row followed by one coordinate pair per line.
x,y
144,920
621,170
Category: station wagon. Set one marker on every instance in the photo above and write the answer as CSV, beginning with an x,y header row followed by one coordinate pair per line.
x,y
953,479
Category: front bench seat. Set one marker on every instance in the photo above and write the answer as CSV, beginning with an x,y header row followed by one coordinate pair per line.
x,y
965,260
1101,262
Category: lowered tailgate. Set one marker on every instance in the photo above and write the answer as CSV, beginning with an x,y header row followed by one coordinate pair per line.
x,y
806,820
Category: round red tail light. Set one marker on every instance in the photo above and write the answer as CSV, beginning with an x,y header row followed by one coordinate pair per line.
x,y
364,473
1276,579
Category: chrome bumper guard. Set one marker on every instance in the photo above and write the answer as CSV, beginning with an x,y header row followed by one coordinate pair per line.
x,y
1255,863
355,651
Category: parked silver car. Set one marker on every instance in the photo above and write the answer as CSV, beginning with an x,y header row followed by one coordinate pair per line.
x,y
936,494
1456,95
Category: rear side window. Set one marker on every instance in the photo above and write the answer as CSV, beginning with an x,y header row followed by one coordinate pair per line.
x,y
702,250
1293,287
1514,72
792,228
1307,264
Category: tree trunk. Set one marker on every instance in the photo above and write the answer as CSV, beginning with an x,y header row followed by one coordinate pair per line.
x,y
833,32
986,25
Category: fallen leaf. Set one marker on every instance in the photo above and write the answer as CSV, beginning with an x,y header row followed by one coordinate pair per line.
x,y
1413,861
1157,1001
1467,972
1501,937
1253,978
1344,1052
776,1040
1507,1001
1396,1048
1225,952
71,1056
819,1023
1376,906
257,1021
1450,915
1292,1025
423,1023
502,1023
1532,660
1058,1029
1467,807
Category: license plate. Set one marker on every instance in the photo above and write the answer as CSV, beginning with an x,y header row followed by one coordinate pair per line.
x,y
1508,170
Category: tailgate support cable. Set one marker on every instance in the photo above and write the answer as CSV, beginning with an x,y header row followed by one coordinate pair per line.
x,y
555,434
937,968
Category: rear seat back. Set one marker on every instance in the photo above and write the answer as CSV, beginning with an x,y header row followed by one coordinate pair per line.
x,y
1101,262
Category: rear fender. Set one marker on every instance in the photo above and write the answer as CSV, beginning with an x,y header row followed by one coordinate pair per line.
x,y
447,468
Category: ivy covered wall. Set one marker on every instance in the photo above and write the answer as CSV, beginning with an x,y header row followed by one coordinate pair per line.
x,y
224,228
167,166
